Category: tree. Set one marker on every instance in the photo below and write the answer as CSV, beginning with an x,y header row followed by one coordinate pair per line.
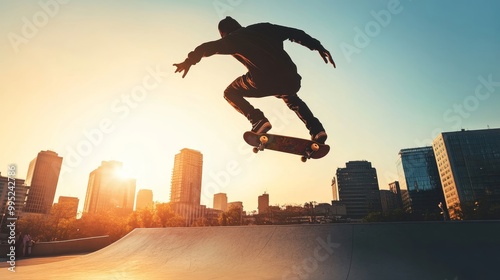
x,y
133,221
166,217
146,218
62,221
223,219
232,217
34,224
204,222
483,208
105,223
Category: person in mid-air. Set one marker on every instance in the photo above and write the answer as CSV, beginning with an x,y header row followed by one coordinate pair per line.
x,y
271,72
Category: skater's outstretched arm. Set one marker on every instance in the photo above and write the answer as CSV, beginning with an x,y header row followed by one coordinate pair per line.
x,y
204,50
327,57
300,37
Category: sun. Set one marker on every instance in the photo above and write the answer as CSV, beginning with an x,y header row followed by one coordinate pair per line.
x,y
120,173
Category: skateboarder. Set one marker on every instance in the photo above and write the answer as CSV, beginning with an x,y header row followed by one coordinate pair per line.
x,y
271,72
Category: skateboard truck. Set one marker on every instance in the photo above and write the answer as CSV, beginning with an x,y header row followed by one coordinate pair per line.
x,y
263,141
309,152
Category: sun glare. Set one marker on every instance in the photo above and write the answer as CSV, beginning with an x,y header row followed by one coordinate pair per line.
x,y
121,174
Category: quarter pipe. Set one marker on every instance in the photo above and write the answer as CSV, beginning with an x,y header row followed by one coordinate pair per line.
x,y
421,250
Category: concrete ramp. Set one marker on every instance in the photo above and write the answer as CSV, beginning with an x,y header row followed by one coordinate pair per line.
x,y
435,250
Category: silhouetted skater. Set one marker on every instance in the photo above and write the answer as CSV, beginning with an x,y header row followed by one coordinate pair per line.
x,y
271,72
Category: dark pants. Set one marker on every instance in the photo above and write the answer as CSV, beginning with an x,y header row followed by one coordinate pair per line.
x,y
286,90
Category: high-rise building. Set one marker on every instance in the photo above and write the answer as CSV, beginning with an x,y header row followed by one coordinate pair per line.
x,y
185,192
69,205
42,178
335,190
418,174
17,190
144,199
358,189
263,205
388,200
108,189
186,177
400,196
469,167
220,201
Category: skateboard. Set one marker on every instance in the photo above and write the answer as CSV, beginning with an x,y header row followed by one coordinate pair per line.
x,y
305,148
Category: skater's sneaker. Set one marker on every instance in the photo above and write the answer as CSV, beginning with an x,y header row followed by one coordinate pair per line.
x,y
319,137
261,126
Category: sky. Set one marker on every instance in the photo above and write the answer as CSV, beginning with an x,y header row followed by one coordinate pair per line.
x,y
93,81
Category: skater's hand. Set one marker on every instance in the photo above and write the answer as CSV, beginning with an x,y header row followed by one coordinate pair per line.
x,y
327,57
183,67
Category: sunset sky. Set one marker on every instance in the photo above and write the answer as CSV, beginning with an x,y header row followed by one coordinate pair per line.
x,y
93,81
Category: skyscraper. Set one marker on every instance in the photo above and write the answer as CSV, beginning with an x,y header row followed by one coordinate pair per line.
x,y
419,175
186,177
469,167
335,190
263,205
144,199
358,189
185,190
109,190
220,201
42,178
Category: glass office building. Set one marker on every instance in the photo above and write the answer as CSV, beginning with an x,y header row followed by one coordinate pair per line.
x,y
469,166
419,176
359,189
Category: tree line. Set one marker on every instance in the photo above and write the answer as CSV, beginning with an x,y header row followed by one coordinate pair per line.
x,y
60,225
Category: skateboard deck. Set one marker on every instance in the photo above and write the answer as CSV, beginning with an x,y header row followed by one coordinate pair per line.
x,y
305,148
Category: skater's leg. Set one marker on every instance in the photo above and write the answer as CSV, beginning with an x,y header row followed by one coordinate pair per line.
x,y
235,93
316,129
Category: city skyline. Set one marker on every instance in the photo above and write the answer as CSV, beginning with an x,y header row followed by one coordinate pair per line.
x,y
93,83
190,154
477,151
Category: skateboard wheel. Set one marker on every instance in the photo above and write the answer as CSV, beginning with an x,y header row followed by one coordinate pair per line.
x,y
263,139
255,150
314,147
303,159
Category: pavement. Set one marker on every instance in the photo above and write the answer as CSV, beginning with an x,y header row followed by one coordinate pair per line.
x,y
419,250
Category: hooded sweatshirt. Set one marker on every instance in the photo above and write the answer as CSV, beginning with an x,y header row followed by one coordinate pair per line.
x,y
260,48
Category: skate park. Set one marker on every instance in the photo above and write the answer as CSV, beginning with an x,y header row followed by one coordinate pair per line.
x,y
412,250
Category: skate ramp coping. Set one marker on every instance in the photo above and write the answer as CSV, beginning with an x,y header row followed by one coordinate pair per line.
x,y
420,250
